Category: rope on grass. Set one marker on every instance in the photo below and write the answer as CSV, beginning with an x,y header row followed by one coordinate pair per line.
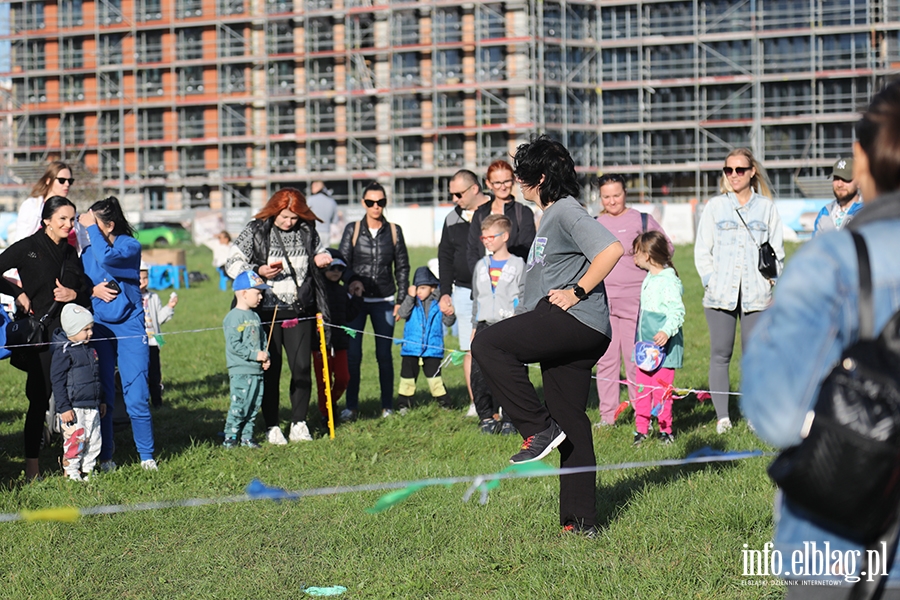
x,y
256,490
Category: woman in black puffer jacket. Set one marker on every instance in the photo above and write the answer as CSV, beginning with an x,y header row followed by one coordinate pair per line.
x,y
376,253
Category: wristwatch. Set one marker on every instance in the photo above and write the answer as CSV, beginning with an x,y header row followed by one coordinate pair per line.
x,y
579,292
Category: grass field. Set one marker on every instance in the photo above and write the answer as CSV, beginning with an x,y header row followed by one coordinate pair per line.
x,y
667,532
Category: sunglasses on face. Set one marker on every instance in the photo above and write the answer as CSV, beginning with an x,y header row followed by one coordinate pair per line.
x,y
739,170
491,238
64,180
611,178
370,203
338,268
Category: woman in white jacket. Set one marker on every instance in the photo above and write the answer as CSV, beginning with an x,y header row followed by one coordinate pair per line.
x,y
726,254
55,181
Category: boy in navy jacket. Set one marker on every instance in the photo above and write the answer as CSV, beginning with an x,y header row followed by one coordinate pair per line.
x,y
423,339
75,380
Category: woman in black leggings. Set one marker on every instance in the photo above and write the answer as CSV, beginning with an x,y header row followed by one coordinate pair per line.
x,y
563,325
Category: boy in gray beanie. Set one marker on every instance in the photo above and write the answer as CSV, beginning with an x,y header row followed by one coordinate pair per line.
x,y
75,380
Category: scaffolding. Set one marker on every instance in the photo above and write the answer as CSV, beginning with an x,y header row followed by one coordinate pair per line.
x,y
186,104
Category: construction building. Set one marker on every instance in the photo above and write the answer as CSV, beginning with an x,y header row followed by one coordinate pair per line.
x,y
184,104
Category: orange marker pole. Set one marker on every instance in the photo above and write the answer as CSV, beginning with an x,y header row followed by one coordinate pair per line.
x,y
326,376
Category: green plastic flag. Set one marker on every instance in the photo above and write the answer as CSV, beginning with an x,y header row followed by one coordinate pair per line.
x,y
350,332
457,357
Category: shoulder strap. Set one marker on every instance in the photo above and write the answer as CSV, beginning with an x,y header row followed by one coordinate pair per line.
x,y
866,303
518,214
753,239
644,222
356,233
287,259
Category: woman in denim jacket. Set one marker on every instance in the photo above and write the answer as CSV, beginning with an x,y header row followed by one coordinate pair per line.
x,y
815,318
726,253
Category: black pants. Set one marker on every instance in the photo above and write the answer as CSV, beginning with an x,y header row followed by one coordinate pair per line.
x,y
296,342
37,390
154,377
567,351
409,367
486,404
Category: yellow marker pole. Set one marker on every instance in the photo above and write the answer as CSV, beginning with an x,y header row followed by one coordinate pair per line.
x,y
326,376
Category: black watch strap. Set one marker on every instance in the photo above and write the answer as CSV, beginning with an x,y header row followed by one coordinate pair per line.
x,y
579,292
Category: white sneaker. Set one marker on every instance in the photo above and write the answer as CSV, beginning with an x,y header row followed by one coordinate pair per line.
x,y
386,412
149,465
275,437
472,412
723,425
107,466
300,432
74,476
348,415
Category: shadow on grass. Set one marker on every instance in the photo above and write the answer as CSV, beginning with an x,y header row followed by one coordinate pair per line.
x,y
611,499
214,384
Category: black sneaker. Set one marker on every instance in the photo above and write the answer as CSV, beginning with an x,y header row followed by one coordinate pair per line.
x,y
537,446
666,438
507,428
489,426
230,443
590,532
638,438
249,444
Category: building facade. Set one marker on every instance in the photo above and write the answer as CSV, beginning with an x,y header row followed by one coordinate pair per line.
x,y
188,104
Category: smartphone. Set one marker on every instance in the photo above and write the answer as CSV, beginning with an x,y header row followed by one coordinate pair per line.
x,y
277,264
113,285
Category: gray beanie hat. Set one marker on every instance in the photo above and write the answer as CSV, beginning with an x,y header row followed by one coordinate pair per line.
x,y
75,318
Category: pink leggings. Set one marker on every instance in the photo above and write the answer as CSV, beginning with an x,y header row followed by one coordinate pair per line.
x,y
655,385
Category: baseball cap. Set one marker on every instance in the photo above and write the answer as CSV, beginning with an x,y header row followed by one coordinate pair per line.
x,y
248,280
843,168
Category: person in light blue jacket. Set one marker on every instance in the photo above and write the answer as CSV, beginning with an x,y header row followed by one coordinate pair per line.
x,y
112,262
814,318
726,253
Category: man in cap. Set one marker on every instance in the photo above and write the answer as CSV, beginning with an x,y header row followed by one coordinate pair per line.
x,y
835,215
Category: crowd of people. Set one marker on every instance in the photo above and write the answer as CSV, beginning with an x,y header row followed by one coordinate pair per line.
x,y
571,294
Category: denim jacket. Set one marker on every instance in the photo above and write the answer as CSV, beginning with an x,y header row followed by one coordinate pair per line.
x,y
725,256
801,337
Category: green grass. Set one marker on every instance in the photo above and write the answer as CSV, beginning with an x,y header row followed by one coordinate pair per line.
x,y
667,532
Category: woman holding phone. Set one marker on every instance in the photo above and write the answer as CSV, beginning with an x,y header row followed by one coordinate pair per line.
x,y
282,246
112,261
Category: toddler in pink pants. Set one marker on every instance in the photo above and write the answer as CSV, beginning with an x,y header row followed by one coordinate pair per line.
x,y
659,347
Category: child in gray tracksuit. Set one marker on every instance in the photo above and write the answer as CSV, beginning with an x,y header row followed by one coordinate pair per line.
x,y
246,358
498,282
75,380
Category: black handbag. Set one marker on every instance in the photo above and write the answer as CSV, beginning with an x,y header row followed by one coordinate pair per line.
x,y
768,262
27,330
846,470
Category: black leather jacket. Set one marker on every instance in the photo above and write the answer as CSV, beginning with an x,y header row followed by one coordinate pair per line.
x,y
382,266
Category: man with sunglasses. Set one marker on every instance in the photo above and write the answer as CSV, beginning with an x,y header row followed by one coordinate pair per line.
x,y
375,251
453,269
835,215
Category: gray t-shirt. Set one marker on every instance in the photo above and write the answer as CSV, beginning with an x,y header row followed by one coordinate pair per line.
x,y
325,207
566,242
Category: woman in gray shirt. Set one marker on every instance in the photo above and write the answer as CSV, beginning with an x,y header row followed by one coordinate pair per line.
x,y
563,324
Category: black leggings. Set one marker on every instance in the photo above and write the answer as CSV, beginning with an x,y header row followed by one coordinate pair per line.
x,y
296,342
567,350
37,390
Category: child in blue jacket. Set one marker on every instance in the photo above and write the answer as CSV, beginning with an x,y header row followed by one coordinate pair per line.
x,y
75,379
423,340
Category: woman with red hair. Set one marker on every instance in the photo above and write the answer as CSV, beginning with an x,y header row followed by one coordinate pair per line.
x,y
501,181
281,245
